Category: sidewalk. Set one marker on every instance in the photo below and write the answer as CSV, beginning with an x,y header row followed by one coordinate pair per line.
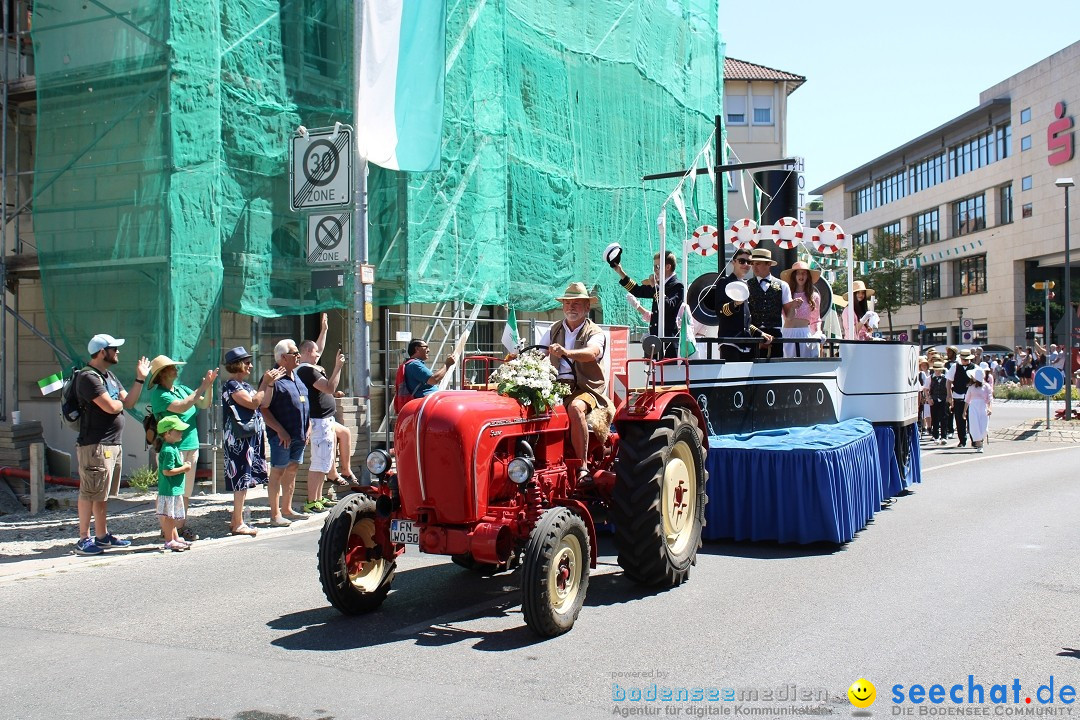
x,y
34,543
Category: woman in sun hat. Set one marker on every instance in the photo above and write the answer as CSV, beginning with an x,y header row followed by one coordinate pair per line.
x,y
803,320
245,457
855,317
168,397
977,404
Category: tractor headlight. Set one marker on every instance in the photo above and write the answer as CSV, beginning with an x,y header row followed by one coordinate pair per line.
x,y
520,470
378,462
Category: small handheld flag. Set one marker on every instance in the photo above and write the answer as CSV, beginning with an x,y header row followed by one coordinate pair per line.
x,y
51,383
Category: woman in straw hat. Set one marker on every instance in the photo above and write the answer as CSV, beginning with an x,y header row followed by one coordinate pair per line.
x,y
803,319
168,397
854,321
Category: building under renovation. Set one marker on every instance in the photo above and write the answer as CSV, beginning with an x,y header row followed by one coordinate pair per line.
x,y
146,178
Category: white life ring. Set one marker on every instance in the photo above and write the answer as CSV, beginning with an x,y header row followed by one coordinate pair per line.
x,y
743,234
706,240
828,238
787,233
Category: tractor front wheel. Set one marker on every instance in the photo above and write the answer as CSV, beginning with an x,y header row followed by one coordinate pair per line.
x,y
354,579
659,500
555,572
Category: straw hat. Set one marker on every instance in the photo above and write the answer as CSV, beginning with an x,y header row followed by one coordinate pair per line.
x,y
761,255
938,365
158,364
839,301
800,265
856,287
577,291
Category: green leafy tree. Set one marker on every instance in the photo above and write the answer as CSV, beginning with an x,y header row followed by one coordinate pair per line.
x,y
889,274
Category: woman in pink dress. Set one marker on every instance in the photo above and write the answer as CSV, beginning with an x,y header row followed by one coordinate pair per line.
x,y
804,318
855,312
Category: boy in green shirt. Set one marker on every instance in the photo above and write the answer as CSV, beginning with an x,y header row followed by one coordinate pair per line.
x,y
171,470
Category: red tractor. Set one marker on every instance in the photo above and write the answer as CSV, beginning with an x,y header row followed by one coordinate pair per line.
x,y
476,476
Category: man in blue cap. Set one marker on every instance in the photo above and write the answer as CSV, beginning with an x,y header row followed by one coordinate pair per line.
x,y
102,401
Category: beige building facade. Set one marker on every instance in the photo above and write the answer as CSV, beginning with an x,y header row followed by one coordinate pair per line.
x,y
977,198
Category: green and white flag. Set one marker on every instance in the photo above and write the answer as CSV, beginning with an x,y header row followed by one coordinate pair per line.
x,y
51,383
687,341
510,337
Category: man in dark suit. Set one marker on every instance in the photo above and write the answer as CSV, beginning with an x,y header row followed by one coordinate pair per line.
x,y
649,288
734,316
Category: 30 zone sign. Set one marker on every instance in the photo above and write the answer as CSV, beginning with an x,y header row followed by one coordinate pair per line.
x,y
321,168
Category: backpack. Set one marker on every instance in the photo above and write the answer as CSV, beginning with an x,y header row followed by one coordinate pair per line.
x,y
71,409
402,393
149,424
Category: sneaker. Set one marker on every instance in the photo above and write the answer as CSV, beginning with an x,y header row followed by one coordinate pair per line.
x,y
111,541
279,521
961,445
176,546
979,449
941,442
188,535
327,502
87,546
294,517
315,506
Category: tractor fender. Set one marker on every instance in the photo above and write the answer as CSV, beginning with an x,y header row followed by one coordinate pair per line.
x,y
579,509
663,402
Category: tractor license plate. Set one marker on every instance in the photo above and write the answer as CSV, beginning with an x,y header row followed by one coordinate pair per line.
x,y
404,531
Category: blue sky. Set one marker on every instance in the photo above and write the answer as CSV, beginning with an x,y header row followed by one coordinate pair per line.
x,y
881,73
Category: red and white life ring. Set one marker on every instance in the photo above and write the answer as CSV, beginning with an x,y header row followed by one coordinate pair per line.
x,y
828,238
787,233
706,241
743,234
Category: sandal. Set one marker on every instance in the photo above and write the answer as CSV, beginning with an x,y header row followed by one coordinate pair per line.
x,y
340,481
244,530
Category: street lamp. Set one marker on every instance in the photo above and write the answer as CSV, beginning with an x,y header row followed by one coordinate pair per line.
x,y
960,325
1068,183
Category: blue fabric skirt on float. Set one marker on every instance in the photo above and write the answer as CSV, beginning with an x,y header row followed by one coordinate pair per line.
x,y
821,483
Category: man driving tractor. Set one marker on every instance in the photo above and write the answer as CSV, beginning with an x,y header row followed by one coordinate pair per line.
x,y
576,346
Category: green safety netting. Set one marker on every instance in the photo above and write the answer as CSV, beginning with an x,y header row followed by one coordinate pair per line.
x,y
161,177
554,111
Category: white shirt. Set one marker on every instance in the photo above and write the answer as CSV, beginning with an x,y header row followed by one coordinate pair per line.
x,y
785,289
566,372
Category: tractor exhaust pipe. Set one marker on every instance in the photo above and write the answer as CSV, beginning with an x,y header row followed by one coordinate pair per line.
x,y
491,543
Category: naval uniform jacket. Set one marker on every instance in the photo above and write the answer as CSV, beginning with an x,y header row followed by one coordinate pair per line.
x,y
673,298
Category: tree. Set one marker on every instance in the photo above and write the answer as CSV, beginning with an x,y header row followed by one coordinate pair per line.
x,y
889,272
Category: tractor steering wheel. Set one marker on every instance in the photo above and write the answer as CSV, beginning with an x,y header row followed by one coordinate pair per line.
x,y
527,348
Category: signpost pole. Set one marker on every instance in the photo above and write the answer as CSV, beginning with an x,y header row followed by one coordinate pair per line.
x,y
360,377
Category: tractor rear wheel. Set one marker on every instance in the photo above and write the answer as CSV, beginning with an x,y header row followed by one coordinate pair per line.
x,y
555,572
352,581
658,505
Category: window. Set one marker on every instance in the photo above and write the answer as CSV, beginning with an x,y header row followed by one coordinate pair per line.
x,y
1025,115
926,227
861,244
970,275
931,282
980,151
1025,182
1005,205
735,109
863,200
732,176
1025,210
1025,143
927,173
891,236
763,110
980,334
891,187
969,215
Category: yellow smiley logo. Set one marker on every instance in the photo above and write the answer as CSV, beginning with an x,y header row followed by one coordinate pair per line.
x,y
862,693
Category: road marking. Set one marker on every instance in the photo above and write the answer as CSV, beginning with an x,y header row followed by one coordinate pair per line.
x,y
995,457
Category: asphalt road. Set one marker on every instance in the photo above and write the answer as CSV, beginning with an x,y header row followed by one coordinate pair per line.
x,y
972,574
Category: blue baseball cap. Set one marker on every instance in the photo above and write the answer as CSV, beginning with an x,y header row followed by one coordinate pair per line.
x,y
101,341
